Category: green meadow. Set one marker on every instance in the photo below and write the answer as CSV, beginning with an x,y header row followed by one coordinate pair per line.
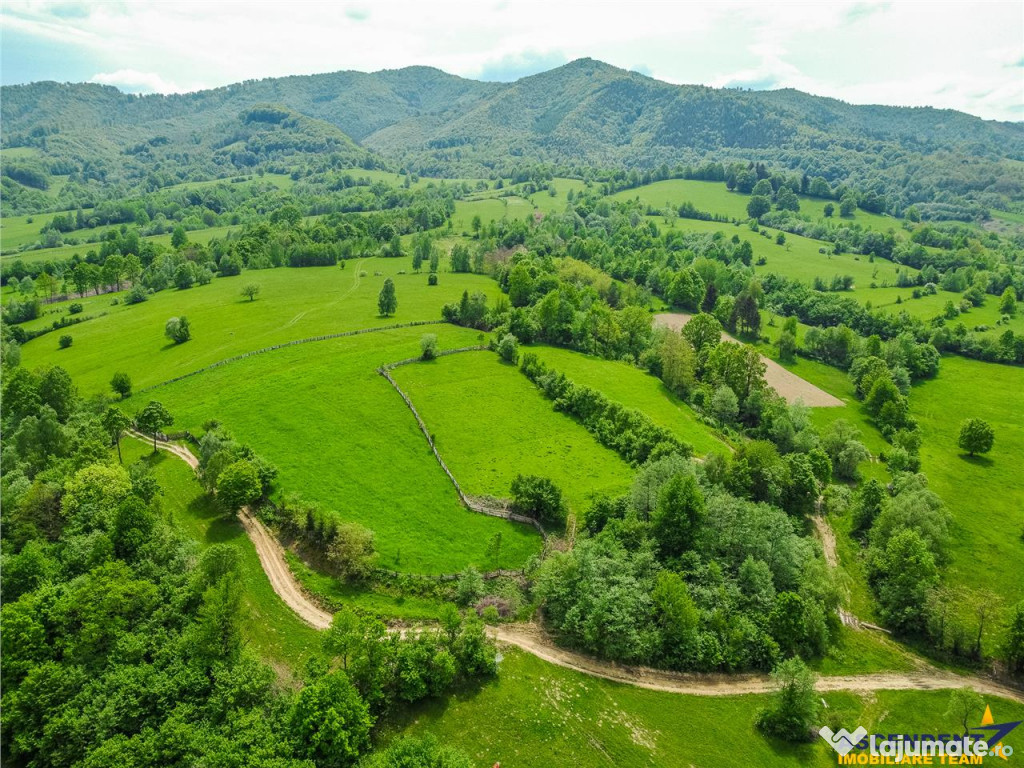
x,y
65,252
715,198
536,714
341,436
634,388
292,304
985,494
800,258
490,424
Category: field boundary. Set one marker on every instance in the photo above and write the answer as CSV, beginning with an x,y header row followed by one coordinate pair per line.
x,y
469,502
295,342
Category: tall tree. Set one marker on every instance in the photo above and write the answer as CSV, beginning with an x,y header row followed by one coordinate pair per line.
x,y
387,301
153,418
115,422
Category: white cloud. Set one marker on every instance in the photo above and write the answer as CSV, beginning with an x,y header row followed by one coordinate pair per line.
x,y
958,55
133,81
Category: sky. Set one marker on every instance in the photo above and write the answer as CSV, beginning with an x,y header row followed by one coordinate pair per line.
x,y
961,55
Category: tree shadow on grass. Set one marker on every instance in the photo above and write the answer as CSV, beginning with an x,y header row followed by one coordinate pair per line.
x,y
221,527
434,709
979,461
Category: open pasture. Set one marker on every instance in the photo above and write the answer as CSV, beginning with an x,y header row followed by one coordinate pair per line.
x,y
633,388
985,494
292,304
490,424
715,198
342,437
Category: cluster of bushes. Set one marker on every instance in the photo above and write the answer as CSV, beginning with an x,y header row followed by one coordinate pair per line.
x,y
652,581
345,549
629,432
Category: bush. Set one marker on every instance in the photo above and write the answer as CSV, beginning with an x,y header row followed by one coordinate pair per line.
x,y
428,346
538,497
178,330
65,341
75,308
352,554
792,714
136,295
432,278
508,348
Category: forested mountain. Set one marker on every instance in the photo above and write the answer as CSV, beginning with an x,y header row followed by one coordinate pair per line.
x,y
584,115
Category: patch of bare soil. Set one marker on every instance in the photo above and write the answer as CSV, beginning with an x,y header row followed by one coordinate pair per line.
x,y
786,383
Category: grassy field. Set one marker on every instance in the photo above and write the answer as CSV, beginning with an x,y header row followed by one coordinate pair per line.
x,y
277,634
799,258
633,388
535,714
293,304
65,252
713,197
985,494
341,436
489,209
490,424
545,202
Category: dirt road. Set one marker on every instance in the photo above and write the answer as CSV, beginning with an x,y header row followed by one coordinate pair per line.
x,y
532,639
785,382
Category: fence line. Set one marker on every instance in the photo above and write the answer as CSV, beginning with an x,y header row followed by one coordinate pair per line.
x,y
311,339
467,501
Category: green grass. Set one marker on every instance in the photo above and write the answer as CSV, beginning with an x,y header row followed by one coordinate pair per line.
x,y
708,196
535,714
293,304
799,258
65,252
490,423
713,197
341,436
985,494
545,202
334,594
277,634
488,209
628,385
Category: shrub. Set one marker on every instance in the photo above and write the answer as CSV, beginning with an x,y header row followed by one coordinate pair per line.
x,y
178,330
432,278
428,346
136,295
75,308
538,497
65,341
508,348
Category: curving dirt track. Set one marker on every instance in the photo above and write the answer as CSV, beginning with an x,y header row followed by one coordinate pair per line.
x,y
785,382
532,639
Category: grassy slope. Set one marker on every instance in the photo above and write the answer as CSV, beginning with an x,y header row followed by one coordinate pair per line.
x,y
713,197
985,494
278,635
537,714
633,388
490,424
341,436
293,304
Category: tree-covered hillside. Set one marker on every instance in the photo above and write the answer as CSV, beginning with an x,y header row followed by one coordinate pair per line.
x,y
583,116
